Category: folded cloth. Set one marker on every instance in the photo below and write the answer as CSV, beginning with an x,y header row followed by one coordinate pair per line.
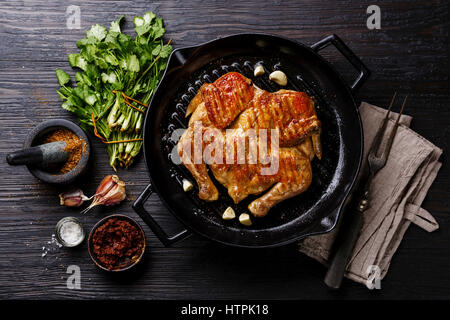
x,y
396,194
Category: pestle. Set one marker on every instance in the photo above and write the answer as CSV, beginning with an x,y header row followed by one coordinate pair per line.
x,y
42,155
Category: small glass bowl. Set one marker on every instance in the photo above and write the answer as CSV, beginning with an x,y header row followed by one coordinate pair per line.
x,y
58,230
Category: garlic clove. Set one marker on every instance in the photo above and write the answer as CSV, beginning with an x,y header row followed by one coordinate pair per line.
x,y
228,214
115,195
278,77
111,191
73,198
187,185
259,71
244,219
107,183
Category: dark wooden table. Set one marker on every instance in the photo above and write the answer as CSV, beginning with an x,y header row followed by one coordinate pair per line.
x,y
410,54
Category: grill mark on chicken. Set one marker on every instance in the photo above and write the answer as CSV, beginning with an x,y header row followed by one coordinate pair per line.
x,y
226,98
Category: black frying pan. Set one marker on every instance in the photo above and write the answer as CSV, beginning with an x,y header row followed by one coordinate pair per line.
x,y
312,212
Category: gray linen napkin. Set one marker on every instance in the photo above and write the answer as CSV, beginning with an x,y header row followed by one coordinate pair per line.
x,y
397,193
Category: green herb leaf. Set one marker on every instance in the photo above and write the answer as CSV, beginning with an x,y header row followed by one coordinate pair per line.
x,y
97,32
85,41
157,50
133,63
111,77
143,24
68,106
76,60
62,77
158,30
165,51
115,25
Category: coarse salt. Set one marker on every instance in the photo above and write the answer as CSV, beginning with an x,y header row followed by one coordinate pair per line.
x,y
71,232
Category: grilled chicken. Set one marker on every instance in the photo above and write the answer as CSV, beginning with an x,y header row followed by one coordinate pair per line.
x,y
233,102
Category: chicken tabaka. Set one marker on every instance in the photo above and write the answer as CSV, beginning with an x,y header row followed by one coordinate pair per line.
x,y
255,142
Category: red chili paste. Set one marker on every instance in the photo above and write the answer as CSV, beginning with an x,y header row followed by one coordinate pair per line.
x,y
117,243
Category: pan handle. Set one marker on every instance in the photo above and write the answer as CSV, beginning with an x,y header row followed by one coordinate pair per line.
x,y
180,55
333,39
138,206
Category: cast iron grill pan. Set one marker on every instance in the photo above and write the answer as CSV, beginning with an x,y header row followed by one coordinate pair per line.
x,y
313,211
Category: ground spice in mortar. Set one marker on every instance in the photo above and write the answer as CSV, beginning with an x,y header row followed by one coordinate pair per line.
x,y
75,147
117,243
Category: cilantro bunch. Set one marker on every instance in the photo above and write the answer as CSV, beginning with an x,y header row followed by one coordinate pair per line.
x,y
117,76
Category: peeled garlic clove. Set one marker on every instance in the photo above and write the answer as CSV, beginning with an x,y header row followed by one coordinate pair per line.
x,y
73,198
228,214
244,219
259,70
278,77
187,185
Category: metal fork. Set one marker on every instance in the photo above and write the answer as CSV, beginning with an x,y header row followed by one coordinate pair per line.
x,y
377,162
349,232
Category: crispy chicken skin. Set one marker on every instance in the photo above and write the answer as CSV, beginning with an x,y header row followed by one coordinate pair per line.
x,y
222,101
233,102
